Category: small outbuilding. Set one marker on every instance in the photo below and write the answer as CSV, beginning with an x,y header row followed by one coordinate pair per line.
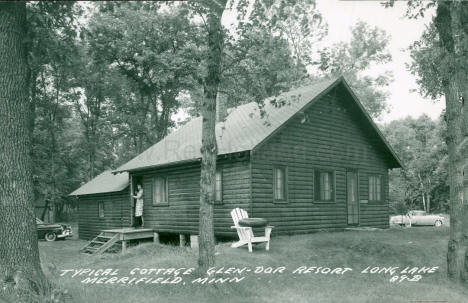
x,y
103,203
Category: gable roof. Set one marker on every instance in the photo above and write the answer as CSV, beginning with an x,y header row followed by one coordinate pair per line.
x,y
107,182
243,130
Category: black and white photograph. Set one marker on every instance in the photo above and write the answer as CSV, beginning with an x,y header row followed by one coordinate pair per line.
x,y
264,151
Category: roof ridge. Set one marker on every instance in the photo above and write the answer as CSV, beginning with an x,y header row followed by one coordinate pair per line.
x,y
238,133
230,137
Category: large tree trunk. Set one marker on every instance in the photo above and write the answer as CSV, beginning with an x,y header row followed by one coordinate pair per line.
x,y
19,255
453,32
459,26
456,247
209,149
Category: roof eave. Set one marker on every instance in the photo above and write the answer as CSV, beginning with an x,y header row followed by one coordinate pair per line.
x,y
143,168
97,193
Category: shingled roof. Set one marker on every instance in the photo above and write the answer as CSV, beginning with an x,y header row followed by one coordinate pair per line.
x,y
242,130
107,182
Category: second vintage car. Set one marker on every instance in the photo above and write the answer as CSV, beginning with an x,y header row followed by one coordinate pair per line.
x,y
418,217
51,231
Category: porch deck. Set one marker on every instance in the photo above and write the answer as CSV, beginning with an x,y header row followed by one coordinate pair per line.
x,y
107,238
129,233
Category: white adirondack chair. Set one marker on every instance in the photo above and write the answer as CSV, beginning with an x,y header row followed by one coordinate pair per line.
x,y
246,235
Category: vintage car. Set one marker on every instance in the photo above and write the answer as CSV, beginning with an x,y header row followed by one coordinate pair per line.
x,y
418,217
51,231
400,220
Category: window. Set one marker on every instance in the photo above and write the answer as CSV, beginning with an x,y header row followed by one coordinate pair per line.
x,y
279,184
324,186
101,209
160,189
219,186
375,188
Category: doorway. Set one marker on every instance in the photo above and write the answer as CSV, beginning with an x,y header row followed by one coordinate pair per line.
x,y
352,197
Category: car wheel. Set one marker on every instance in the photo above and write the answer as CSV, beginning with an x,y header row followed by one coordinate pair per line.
x,y
50,237
438,223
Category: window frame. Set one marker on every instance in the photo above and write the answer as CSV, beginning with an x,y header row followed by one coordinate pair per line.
x,y
381,188
317,186
101,210
221,189
165,202
285,184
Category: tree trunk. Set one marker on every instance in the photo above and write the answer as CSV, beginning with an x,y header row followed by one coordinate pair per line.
x,y
447,23
455,254
459,26
421,185
19,256
32,102
453,32
428,203
209,148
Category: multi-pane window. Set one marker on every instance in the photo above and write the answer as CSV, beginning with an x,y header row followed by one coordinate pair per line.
x,y
101,209
219,186
279,183
324,186
160,190
375,188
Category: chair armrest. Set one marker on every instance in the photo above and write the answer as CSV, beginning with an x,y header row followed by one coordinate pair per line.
x,y
268,231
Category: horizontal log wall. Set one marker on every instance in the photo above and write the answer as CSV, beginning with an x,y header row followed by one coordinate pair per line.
x,y
116,213
181,213
335,136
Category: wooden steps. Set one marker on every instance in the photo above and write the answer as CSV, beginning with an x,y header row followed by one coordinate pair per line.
x,y
109,238
100,244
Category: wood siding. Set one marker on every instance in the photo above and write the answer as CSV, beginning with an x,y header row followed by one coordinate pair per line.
x,y
180,214
335,136
116,213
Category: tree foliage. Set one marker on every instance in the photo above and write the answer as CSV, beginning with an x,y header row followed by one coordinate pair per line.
x,y
367,47
52,49
426,58
423,183
157,49
297,22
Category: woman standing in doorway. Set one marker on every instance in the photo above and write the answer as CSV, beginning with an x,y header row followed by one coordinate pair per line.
x,y
138,222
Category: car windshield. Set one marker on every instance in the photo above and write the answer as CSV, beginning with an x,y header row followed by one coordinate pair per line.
x,y
419,213
38,221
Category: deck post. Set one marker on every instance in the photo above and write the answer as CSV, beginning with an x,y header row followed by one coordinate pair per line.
x,y
193,241
182,240
156,238
124,246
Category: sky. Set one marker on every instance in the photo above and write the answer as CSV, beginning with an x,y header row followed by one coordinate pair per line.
x,y
342,14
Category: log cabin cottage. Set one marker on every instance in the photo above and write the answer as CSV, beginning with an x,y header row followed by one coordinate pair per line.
x,y
316,162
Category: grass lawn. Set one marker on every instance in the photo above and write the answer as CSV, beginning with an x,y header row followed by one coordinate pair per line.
x,y
413,247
